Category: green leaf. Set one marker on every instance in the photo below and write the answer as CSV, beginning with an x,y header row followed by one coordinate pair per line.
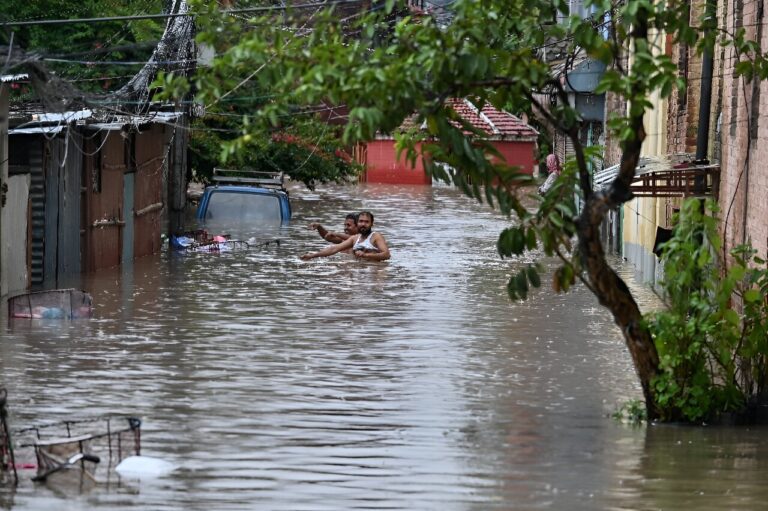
x,y
556,219
752,295
533,276
518,241
565,209
272,117
731,317
504,244
737,272
566,277
521,285
530,240
745,69
512,288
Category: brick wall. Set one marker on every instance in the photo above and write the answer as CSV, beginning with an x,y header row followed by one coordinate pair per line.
x,y
683,106
614,105
744,137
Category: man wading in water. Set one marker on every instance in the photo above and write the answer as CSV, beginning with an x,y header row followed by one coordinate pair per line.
x,y
350,229
366,245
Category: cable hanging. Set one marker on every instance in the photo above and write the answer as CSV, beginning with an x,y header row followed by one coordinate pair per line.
x,y
173,15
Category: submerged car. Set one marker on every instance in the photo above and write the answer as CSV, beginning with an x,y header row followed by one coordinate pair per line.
x,y
245,196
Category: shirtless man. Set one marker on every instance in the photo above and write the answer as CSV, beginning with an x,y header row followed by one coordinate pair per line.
x,y
350,229
366,244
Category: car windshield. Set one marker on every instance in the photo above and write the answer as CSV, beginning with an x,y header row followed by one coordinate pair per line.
x,y
254,207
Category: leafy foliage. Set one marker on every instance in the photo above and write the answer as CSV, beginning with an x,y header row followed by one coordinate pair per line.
x,y
387,66
384,66
86,48
307,151
633,412
713,339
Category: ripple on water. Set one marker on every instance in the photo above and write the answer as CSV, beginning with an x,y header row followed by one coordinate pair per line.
x,y
280,384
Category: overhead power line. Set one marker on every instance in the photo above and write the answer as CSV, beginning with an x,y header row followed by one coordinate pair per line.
x,y
244,10
118,62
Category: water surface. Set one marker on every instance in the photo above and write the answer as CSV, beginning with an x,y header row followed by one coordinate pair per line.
x,y
332,384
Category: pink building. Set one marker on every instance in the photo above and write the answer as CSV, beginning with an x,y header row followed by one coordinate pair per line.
x,y
512,137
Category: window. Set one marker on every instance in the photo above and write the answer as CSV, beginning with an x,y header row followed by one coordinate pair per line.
x,y
254,207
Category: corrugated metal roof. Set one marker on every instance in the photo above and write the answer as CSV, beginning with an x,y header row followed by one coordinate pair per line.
x,y
604,177
53,123
47,130
136,120
665,177
14,78
50,123
646,164
64,117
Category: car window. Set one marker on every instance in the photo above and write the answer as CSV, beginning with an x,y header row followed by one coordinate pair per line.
x,y
243,206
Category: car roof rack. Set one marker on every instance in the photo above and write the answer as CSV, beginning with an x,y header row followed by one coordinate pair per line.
x,y
249,177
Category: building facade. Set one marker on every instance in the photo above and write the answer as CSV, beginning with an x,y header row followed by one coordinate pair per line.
x,y
514,139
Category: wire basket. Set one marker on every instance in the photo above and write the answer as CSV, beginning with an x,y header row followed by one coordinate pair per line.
x,y
96,445
217,246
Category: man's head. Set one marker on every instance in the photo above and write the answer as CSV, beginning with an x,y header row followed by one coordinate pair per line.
x,y
364,222
350,224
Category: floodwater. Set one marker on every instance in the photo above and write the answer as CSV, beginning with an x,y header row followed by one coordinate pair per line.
x,y
415,384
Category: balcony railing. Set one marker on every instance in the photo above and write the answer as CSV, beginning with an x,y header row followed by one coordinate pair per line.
x,y
661,177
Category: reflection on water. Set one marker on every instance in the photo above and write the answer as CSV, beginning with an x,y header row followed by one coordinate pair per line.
x,y
334,384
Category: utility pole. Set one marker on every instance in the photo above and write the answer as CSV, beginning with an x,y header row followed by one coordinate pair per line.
x,y
3,183
705,104
177,176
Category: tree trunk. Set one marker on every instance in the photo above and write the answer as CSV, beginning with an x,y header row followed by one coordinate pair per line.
x,y
613,293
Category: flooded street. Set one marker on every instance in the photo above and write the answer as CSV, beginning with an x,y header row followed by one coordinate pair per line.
x,y
332,384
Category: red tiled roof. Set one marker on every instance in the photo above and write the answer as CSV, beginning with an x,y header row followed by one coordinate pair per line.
x,y
499,125
492,121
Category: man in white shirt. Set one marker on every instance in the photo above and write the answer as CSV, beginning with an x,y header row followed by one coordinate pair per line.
x,y
367,245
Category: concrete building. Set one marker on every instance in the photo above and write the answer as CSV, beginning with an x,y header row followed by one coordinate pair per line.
x,y
718,121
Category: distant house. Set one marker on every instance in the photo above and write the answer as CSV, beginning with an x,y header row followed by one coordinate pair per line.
x,y
512,137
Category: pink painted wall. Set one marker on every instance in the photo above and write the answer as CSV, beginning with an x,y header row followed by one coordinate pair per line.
x,y
522,154
383,167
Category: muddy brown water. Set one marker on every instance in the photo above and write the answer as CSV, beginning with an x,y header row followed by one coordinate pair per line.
x,y
278,384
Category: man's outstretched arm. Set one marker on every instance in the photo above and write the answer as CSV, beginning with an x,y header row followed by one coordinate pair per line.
x,y
332,237
328,251
336,237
